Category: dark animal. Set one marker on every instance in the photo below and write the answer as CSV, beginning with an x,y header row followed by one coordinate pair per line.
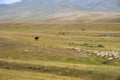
x,y
36,38
105,62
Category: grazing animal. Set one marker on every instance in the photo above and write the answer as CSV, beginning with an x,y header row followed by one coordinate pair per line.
x,y
36,38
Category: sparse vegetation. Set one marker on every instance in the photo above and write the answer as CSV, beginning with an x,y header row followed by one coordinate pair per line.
x,y
70,54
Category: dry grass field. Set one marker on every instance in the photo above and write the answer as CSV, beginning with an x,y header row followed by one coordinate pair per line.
x,y
63,51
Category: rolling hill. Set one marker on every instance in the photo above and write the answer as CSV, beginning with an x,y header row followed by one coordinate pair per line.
x,y
61,10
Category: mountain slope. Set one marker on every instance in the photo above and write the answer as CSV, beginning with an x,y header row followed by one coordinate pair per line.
x,y
39,10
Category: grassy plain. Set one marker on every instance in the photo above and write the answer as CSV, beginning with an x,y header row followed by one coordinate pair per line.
x,y
51,54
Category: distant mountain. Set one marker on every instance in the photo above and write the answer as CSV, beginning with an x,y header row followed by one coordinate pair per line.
x,y
61,10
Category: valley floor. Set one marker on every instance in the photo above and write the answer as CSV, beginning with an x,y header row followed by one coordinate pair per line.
x,y
63,51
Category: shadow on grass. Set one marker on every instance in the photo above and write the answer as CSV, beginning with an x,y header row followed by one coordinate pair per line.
x,y
63,71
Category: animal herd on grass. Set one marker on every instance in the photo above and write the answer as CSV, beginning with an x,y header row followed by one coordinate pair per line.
x,y
110,55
